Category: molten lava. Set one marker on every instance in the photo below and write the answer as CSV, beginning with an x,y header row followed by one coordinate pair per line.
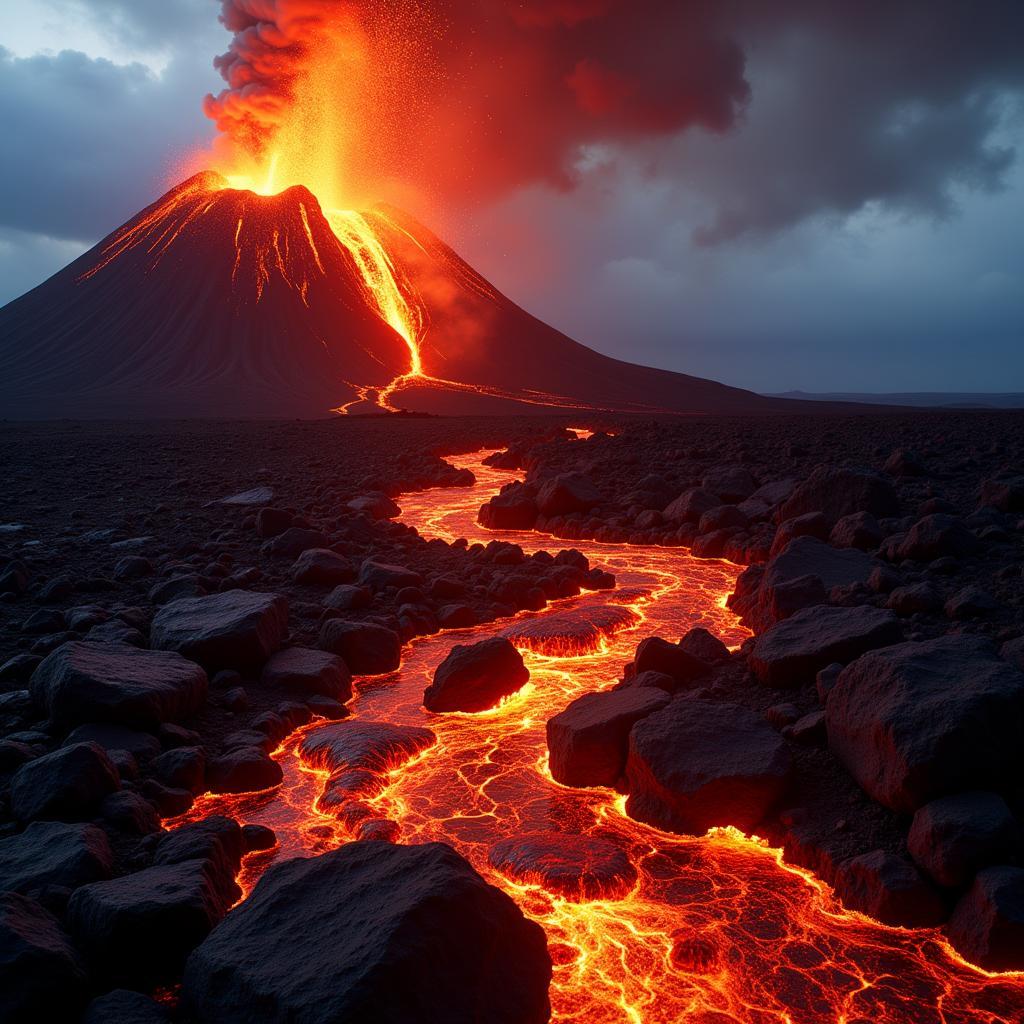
x,y
704,930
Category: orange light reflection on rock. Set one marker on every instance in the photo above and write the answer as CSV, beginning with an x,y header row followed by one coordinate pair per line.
x,y
717,928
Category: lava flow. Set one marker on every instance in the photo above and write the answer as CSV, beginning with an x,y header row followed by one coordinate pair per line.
x,y
710,929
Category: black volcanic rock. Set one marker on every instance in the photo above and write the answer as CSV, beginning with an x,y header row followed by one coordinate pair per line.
x,y
587,742
578,867
366,648
372,931
122,1006
475,677
567,493
242,770
90,682
697,763
838,492
238,629
514,508
305,671
41,975
987,926
918,721
51,853
655,654
890,889
66,785
322,566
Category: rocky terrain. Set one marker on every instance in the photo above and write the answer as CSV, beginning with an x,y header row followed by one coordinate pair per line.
x,y
175,598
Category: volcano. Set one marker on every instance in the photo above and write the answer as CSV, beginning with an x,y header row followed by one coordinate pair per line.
x,y
221,302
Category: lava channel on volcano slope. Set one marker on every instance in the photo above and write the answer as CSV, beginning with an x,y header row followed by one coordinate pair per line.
x,y
706,930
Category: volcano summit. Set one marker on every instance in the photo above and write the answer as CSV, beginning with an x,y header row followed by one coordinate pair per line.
x,y
219,301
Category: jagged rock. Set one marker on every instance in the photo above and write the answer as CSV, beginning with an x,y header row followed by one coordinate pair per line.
x,y
89,682
139,928
953,837
347,598
575,866
655,654
704,646
475,677
237,629
690,506
791,652
936,536
588,741
366,648
889,889
515,508
66,785
51,853
696,764
41,976
987,926
859,530
918,721
122,1006
305,671
322,566
372,931
838,492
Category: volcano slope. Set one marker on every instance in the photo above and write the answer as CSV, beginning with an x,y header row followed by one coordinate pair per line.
x,y
219,302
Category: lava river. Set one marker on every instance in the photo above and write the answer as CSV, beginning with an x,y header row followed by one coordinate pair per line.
x,y
716,928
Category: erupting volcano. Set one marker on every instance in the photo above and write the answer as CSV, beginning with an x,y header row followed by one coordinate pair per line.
x,y
227,297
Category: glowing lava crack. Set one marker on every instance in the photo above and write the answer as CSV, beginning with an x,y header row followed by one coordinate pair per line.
x,y
643,926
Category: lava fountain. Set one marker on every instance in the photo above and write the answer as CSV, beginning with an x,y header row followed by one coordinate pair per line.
x,y
706,930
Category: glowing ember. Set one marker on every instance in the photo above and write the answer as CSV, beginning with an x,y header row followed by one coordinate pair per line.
x,y
714,929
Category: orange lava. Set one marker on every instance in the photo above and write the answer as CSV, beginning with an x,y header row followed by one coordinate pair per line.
x,y
717,928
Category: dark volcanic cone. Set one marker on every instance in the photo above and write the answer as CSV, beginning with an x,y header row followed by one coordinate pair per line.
x,y
217,302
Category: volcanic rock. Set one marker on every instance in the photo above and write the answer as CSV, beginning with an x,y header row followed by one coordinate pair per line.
x,y
376,505
293,542
696,764
237,629
704,646
475,677
655,654
372,931
791,652
122,1006
366,648
567,493
987,926
953,837
690,506
971,602
90,682
575,866
305,671
182,768
889,889
143,746
917,721
379,575
243,770
51,853
177,586
513,509
838,492
587,742
936,536
730,483
347,598
139,928
322,566
860,530
41,976
570,633
66,785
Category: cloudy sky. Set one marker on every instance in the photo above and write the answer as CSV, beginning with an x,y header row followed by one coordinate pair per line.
x,y
826,197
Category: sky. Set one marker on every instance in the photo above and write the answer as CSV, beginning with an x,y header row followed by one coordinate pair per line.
x,y
820,196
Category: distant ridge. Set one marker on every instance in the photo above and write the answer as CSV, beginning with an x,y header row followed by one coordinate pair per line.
x,y
915,399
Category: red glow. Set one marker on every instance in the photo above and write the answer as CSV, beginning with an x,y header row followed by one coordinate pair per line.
x,y
717,928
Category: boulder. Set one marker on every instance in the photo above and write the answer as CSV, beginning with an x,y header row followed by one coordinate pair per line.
x,y
366,648
575,866
588,741
140,927
95,682
379,575
41,976
347,598
730,483
567,493
1005,493
860,530
914,599
290,543
953,837
690,506
66,785
376,505
243,770
122,1006
987,926
372,931
704,646
792,651
306,671
972,602
514,508
811,524
51,853
475,677
918,721
697,764
889,889
838,492
937,536
143,746
237,629
322,566
655,654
